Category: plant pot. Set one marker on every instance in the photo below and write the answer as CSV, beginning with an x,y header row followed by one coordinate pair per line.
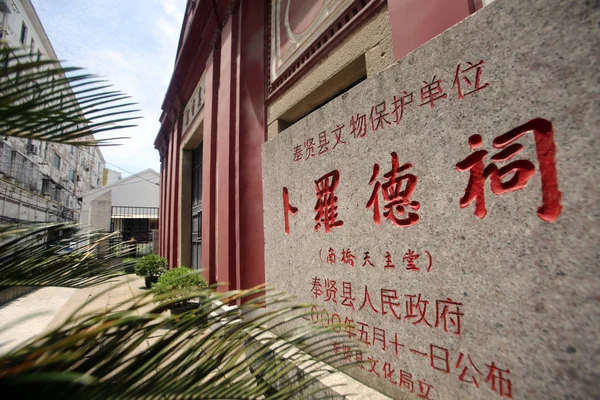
x,y
176,311
149,280
182,309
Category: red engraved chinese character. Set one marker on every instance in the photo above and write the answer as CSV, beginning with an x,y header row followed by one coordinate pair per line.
x,y
424,389
388,373
367,260
499,382
358,125
358,357
379,336
396,344
338,135
520,170
316,287
416,308
330,290
406,381
439,358
298,153
409,258
448,314
364,333
418,352
396,198
367,298
373,365
287,210
348,257
476,185
378,117
347,299
331,256
347,353
399,104
471,86
432,92
309,148
349,327
473,379
336,347
326,207
323,142
389,297
388,261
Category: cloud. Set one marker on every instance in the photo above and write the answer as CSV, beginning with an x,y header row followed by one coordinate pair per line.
x,y
132,44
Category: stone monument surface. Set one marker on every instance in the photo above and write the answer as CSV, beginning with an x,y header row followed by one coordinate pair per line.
x,y
449,209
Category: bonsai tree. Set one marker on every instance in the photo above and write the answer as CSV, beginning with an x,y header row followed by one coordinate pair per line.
x,y
151,267
174,286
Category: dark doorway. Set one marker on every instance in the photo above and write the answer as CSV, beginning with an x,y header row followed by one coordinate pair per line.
x,y
197,207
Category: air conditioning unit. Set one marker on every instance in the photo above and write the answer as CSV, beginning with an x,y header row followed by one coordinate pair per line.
x,y
32,149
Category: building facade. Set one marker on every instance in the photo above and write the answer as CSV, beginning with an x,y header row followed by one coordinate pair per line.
x,y
40,181
129,206
245,71
109,177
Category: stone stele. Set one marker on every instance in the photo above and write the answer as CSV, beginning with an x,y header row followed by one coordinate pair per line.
x,y
463,180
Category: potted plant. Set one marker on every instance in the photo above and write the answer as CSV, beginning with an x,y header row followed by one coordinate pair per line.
x,y
172,286
151,267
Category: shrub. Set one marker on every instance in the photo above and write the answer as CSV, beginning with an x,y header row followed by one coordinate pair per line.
x,y
171,285
151,265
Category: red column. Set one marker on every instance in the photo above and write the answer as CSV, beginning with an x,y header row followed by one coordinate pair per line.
x,y
168,216
174,194
209,158
251,136
161,210
414,22
172,198
226,223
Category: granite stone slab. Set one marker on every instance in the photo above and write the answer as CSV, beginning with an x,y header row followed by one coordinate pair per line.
x,y
497,297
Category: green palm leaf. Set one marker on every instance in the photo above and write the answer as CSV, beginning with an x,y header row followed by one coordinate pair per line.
x,y
40,99
28,258
134,350
204,353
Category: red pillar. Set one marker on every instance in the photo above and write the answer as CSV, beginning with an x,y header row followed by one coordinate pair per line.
x,y
174,194
168,211
209,160
251,135
226,222
161,209
414,22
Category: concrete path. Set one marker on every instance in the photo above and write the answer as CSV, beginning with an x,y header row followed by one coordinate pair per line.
x,y
29,316
26,317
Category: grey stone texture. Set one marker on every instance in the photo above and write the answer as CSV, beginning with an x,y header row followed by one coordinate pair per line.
x,y
528,289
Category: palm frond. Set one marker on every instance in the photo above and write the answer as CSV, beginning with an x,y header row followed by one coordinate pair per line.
x,y
40,99
28,256
209,352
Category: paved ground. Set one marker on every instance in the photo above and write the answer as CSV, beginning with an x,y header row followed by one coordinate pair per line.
x,y
30,315
24,318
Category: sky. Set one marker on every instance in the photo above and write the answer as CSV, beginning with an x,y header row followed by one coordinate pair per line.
x,y
131,43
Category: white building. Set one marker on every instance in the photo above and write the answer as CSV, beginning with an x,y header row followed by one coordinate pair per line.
x,y
110,177
129,206
40,181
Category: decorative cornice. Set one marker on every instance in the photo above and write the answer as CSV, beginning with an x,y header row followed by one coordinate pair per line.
x,y
355,13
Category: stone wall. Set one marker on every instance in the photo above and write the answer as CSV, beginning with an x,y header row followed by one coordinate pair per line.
x,y
448,209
